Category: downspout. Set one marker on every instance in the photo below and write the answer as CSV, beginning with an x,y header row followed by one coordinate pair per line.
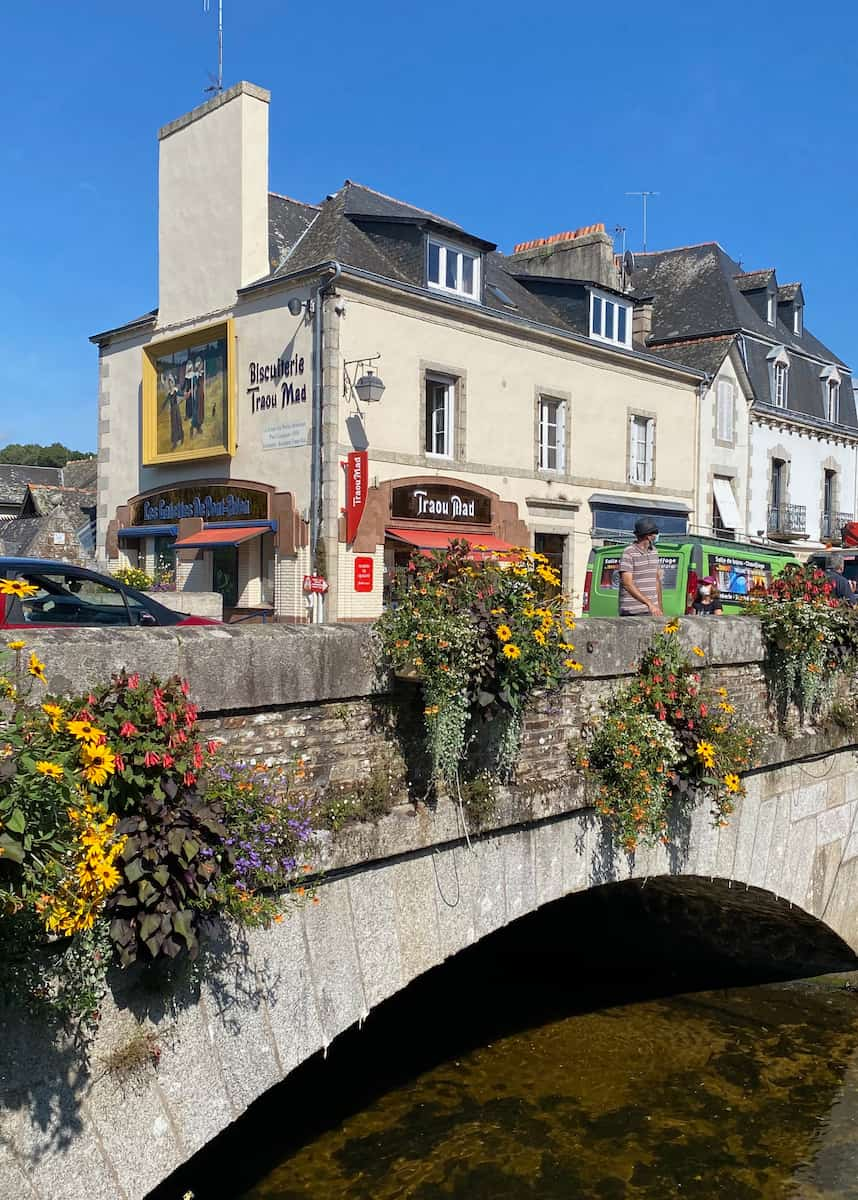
x,y
700,390
335,269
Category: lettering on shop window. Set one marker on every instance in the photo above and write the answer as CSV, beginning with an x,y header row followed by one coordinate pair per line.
x,y
276,384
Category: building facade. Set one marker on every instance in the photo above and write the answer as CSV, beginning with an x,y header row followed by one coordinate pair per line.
x,y
240,433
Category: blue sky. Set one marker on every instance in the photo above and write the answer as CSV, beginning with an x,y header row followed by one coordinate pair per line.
x,y
516,120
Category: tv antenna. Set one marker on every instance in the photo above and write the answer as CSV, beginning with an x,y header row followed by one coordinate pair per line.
x,y
216,85
644,197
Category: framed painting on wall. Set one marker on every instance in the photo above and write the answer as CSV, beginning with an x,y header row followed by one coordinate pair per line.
x,y
189,396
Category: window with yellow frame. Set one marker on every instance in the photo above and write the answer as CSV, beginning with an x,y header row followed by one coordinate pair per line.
x,y
189,396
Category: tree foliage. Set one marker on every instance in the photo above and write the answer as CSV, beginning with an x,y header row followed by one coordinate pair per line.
x,y
31,454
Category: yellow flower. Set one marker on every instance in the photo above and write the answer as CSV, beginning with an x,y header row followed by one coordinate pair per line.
x,y
504,632
511,650
569,620
498,612
17,587
36,668
53,770
706,753
574,666
16,645
672,627
725,707
98,763
539,636
84,731
696,650
732,783
53,710
722,692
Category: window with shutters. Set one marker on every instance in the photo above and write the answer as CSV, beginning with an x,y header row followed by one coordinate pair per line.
x,y
641,445
552,434
725,416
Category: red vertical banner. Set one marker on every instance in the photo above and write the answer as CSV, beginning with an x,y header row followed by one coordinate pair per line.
x,y
356,483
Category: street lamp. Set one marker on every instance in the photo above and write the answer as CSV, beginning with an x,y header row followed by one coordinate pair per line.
x,y
369,387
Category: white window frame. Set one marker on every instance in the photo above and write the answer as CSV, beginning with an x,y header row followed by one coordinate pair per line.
x,y
641,437
546,425
449,411
779,376
831,381
797,321
725,411
446,248
605,321
770,307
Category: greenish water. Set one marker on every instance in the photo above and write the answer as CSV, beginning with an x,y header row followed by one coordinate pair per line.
x,y
743,1093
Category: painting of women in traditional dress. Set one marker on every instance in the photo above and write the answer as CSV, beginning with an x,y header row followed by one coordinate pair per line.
x,y
191,406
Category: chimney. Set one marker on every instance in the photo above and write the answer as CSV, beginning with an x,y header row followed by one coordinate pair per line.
x,y
586,253
212,203
642,322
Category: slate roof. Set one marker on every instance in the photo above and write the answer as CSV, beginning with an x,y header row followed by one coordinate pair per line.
x,y
43,498
287,220
700,295
788,292
14,479
706,354
16,537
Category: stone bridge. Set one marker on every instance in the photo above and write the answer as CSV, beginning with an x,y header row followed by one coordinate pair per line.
x,y
398,896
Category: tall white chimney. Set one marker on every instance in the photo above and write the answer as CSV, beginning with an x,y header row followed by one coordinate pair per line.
x,y
212,203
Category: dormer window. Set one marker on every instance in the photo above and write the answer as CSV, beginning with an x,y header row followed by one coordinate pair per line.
x,y
770,308
779,376
797,325
610,319
453,269
830,377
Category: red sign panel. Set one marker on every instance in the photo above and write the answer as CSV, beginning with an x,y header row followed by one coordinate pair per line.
x,y
356,483
315,583
363,574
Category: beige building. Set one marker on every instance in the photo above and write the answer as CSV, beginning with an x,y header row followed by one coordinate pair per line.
x,y
240,431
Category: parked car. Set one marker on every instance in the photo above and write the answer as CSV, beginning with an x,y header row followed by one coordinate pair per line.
x,y
742,570
66,595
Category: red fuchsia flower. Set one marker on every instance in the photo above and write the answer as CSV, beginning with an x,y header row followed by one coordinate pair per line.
x,y
656,662
189,778
704,711
186,688
678,715
168,760
128,729
191,714
182,736
656,679
198,755
151,759
690,724
120,762
157,696
160,717
671,695
211,746
134,681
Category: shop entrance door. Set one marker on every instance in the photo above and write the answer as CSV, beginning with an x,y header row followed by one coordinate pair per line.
x,y
225,574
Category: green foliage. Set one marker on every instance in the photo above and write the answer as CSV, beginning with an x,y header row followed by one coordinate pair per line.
x,y
349,803
169,870
661,736
481,635
479,800
31,454
134,577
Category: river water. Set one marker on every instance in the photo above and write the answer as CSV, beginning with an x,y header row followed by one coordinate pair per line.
x,y
521,1074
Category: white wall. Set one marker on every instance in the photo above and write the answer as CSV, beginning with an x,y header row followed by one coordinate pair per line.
x,y
717,457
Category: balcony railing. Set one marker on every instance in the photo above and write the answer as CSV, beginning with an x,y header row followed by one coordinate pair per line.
x,y
832,525
788,520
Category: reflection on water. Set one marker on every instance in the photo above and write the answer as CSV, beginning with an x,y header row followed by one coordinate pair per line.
x,y
625,1044
732,1093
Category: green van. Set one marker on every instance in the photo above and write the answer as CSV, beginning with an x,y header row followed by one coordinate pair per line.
x,y
742,571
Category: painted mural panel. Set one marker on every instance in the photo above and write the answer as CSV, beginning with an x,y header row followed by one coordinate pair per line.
x,y
188,406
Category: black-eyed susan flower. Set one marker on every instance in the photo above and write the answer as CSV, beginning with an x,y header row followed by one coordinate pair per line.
x,y
98,763
51,770
732,782
504,632
36,668
511,650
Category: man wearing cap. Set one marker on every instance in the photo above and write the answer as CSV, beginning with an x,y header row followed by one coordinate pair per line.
x,y
640,576
842,589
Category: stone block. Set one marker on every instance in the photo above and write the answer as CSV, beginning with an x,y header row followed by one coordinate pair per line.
x,y
15,1183
63,1160
519,873
336,974
416,916
142,1161
746,835
490,900
457,877
808,799
778,845
373,904
762,841
704,833
548,855
726,849
834,824
284,972
575,862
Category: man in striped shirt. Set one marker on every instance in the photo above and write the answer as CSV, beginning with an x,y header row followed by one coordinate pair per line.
x,y
640,576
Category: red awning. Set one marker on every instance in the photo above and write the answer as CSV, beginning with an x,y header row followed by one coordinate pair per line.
x,y
210,539
435,539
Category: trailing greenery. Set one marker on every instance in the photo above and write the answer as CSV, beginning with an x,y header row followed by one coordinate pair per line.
x,y
810,637
481,632
663,735
350,802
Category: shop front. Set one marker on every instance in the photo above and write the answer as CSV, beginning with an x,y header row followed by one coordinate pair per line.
x,y
423,514
223,536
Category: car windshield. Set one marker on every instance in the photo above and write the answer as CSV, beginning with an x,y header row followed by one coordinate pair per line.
x,y
63,598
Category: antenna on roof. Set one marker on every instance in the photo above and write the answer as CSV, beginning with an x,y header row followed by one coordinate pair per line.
x,y
644,197
216,85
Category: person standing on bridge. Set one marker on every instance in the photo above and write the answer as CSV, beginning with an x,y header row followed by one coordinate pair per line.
x,y
640,574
